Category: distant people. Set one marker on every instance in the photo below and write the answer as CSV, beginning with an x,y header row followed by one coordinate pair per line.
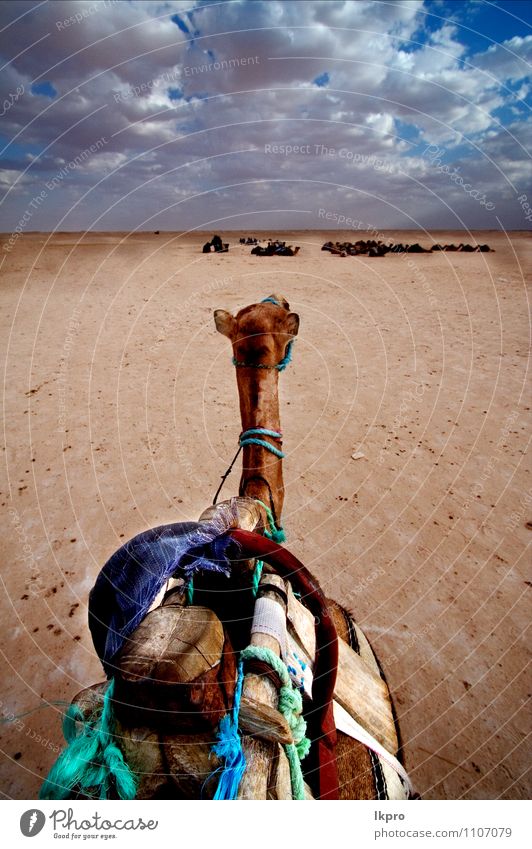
x,y
215,245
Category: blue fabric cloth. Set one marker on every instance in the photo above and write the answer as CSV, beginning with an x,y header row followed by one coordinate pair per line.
x,y
131,579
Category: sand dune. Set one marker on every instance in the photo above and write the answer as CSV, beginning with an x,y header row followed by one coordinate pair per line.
x,y
121,413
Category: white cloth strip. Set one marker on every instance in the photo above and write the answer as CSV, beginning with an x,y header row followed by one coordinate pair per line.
x,y
269,618
346,723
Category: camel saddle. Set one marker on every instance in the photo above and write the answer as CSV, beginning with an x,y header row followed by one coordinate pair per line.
x,y
175,672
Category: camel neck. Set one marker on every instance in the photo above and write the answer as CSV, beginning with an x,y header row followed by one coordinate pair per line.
x,y
258,392
262,475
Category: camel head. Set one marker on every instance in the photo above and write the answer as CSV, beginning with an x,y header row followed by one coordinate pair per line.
x,y
261,332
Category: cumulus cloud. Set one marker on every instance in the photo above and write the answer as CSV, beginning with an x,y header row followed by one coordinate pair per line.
x,y
224,111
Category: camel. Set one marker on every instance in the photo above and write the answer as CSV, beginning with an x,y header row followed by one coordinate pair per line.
x,y
171,650
261,336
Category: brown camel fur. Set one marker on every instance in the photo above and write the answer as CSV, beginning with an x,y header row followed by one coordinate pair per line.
x,y
260,333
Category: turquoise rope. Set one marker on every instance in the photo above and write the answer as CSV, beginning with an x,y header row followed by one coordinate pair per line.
x,y
275,533
287,359
291,707
280,366
264,431
257,574
247,438
190,591
254,441
92,759
229,746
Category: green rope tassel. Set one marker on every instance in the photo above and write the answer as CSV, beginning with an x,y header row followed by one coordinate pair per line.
x,y
291,707
92,760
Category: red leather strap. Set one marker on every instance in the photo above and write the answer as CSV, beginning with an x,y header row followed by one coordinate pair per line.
x,y
320,719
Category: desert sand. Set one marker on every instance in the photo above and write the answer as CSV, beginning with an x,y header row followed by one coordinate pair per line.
x,y
121,413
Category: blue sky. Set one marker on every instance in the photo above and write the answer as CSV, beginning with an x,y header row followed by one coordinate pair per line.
x,y
252,115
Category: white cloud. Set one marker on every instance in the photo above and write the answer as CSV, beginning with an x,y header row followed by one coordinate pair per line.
x,y
509,60
246,73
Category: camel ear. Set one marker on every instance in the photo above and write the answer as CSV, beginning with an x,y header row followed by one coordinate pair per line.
x,y
225,322
292,324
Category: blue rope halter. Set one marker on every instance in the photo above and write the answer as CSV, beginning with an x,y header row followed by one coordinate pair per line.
x,y
287,359
247,438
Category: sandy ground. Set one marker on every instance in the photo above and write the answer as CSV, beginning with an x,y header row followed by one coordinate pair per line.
x,y
121,413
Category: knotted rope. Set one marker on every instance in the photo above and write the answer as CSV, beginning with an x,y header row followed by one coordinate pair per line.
x,y
92,759
257,574
229,745
291,707
275,533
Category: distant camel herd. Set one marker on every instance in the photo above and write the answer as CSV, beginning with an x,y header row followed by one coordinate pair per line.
x,y
362,247
373,248
275,249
